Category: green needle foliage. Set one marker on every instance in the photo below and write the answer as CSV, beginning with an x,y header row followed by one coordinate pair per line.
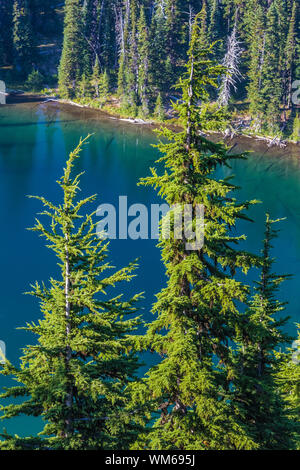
x,y
75,377
288,381
143,45
73,53
257,364
197,312
22,37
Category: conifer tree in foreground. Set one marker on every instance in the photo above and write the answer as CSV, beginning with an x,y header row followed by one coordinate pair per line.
x,y
257,365
75,377
196,312
288,380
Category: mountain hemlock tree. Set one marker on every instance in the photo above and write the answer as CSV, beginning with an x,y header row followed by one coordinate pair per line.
x,y
72,59
257,365
196,312
75,377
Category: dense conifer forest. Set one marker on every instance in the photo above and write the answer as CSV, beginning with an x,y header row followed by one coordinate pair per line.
x,y
128,54
225,375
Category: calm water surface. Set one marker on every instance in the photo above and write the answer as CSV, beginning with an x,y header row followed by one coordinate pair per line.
x,y
34,141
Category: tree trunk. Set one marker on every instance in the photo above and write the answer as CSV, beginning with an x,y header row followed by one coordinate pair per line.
x,y
69,398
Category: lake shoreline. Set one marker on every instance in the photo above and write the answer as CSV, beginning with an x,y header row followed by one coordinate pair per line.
x,y
239,143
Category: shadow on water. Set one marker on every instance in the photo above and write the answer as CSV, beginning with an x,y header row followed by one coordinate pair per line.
x,y
21,98
34,123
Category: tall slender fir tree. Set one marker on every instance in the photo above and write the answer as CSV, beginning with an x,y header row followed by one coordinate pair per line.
x,y
256,365
75,377
196,312
74,47
22,38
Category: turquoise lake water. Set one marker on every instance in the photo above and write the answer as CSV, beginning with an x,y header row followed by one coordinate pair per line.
x,y
34,141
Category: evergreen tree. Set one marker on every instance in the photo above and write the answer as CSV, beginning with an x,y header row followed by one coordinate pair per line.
x,y
123,30
143,53
290,56
159,111
103,87
6,32
75,377
175,34
91,32
256,41
84,87
256,365
159,77
215,21
102,31
271,71
43,16
35,81
72,58
96,77
288,380
296,129
110,30
22,38
203,36
133,59
100,82
196,312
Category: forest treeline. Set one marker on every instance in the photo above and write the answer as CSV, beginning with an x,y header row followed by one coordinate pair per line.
x,y
222,378
136,50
